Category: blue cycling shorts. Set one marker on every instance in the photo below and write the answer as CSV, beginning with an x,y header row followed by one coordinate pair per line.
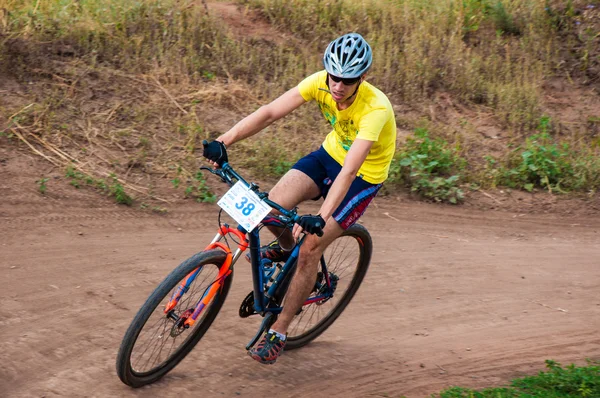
x,y
323,170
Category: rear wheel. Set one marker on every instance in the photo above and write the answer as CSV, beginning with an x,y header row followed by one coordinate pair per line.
x,y
347,259
156,342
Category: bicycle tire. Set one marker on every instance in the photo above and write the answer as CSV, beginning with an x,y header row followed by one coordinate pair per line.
x,y
136,378
356,233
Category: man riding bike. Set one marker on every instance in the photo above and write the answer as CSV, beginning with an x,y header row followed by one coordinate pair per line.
x,y
347,170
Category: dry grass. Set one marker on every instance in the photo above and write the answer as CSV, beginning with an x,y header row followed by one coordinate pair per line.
x,y
421,47
132,88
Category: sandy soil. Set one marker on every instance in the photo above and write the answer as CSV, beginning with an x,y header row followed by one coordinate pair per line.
x,y
454,296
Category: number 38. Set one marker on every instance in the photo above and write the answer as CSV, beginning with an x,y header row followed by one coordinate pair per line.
x,y
245,207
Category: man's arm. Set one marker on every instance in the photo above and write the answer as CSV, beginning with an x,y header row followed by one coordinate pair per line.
x,y
354,159
263,117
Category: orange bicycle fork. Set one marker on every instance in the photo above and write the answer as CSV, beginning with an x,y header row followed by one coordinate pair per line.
x,y
224,271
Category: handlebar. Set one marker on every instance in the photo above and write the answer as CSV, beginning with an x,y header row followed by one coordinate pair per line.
x,y
228,175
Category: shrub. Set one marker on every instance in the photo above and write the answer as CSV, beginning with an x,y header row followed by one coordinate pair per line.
x,y
428,166
543,162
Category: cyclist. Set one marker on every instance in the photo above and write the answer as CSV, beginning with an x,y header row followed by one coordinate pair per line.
x,y
347,170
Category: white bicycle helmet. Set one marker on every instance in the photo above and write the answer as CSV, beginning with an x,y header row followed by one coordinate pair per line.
x,y
349,56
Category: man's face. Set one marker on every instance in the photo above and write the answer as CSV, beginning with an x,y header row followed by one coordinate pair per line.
x,y
342,89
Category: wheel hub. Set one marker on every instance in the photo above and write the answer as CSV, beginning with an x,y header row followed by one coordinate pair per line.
x,y
179,326
321,287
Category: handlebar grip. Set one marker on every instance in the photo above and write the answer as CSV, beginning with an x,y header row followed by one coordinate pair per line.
x,y
320,233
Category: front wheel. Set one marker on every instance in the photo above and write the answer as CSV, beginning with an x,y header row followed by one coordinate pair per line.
x,y
156,341
347,259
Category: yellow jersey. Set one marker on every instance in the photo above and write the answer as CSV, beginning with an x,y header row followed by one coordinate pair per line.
x,y
370,117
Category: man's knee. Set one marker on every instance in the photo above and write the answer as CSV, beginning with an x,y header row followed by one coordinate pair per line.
x,y
310,252
310,246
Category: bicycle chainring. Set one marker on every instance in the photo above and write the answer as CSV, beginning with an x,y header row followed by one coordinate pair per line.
x,y
247,307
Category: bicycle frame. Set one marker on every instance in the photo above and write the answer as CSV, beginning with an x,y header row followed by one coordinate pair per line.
x,y
247,240
193,293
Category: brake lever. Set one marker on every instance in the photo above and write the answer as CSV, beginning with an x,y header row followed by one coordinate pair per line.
x,y
217,172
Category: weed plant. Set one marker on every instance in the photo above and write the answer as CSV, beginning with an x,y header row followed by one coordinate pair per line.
x,y
543,161
200,191
41,183
117,191
114,188
430,167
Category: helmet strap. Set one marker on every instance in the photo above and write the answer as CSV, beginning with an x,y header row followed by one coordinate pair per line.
x,y
355,91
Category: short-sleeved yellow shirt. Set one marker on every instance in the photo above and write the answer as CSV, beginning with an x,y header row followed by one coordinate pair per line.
x,y
370,117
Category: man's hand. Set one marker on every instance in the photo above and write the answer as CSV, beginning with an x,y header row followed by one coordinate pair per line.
x,y
215,152
310,224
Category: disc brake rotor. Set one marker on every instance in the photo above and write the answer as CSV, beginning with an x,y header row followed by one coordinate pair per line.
x,y
179,325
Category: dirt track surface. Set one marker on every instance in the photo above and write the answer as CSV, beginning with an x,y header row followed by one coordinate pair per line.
x,y
453,297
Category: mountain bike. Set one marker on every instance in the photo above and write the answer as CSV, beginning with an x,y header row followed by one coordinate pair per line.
x,y
180,310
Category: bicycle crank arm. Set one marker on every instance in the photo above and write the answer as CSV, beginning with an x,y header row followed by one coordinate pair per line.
x,y
268,320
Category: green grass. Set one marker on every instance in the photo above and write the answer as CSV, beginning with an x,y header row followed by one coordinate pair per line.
x,y
556,382
113,189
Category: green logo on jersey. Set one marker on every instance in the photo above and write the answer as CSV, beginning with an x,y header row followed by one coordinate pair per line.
x,y
345,130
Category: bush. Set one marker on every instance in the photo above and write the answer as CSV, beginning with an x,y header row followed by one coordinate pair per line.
x,y
542,162
428,166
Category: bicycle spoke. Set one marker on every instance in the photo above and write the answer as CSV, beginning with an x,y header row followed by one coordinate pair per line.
x,y
312,312
172,346
299,318
151,339
153,347
161,346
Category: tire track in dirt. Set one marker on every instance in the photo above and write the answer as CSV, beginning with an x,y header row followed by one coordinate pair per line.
x,y
442,281
102,217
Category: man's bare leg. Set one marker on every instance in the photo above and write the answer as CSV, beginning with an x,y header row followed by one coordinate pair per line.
x,y
306,273
292,189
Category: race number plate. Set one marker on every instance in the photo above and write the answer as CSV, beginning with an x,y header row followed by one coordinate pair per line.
x,y
244,206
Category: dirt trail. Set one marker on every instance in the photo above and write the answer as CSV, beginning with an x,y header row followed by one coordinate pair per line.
x,y
453,297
